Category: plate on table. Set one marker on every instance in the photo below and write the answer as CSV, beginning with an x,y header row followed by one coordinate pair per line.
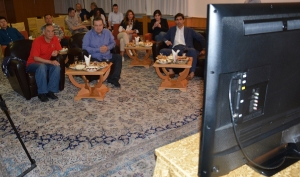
x,y
182,61
64,50
100,65
91,68
148,44
79,67
130,44
164,61
161,57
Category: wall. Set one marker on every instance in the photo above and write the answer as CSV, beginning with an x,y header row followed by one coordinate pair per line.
x,y
19,10
197,8
2,9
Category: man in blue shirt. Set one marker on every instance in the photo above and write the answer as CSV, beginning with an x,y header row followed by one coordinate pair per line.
x,y
98,42
8,34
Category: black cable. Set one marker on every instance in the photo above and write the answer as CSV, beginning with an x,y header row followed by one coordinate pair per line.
x,y
235,132
5,110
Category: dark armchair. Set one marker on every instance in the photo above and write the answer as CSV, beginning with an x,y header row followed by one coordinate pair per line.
x,y
157,46
21,81
75,47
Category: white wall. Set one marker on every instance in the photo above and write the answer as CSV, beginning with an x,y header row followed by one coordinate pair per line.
x,y
197,8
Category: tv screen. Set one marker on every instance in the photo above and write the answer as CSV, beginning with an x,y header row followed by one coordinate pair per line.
x,y
252,88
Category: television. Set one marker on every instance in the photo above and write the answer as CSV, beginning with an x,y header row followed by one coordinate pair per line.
x,y
251,112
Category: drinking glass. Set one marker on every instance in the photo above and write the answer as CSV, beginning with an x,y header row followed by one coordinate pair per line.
x,y
75,60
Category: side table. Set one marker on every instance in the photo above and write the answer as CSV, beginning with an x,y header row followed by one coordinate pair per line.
x,y
168,83
146,62
86,91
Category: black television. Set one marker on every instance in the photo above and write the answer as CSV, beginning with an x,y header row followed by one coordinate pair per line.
x,y
252,88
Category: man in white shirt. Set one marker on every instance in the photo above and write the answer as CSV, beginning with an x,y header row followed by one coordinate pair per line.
x,y
114,17
181,38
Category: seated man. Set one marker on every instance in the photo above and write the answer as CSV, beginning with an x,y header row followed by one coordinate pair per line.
x,y
74,23
181,38
43,48
58,32
83,13
98,42
8,34
114,17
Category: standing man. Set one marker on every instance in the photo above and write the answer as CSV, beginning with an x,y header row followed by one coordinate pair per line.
x,y
58,32
82,13
43,48
98,42
114,17
8,34
181,38
73,22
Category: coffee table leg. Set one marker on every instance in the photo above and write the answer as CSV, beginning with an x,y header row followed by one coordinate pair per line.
x,y
167,83
146,62
86,91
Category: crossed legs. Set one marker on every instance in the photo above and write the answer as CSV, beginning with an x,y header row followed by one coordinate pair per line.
x,y
124,39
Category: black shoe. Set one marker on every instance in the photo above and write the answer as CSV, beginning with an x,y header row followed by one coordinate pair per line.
x,y
114,82
43,97
52,96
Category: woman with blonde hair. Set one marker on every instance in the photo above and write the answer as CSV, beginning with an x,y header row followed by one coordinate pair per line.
x,y
127,28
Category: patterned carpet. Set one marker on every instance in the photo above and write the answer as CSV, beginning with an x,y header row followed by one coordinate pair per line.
x,y
114,137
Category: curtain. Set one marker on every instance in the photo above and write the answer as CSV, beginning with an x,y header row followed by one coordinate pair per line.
x,y
167,7
170,7
137,6
104,4
61,7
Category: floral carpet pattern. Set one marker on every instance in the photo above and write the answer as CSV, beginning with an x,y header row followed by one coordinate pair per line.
x,y
114,137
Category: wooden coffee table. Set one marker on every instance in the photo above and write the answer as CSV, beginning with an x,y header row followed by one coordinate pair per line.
x,y
146,61
168,83
86,91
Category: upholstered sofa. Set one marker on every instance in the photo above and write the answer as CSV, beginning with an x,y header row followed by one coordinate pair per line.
x,y
21,81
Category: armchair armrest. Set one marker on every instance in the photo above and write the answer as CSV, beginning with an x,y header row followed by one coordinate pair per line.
x,y
61,61
18,79
148,36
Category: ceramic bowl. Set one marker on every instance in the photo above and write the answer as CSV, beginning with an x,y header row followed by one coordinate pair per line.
x,y
79,67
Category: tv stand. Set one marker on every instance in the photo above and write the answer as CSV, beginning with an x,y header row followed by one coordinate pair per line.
x,y
283,156
181,158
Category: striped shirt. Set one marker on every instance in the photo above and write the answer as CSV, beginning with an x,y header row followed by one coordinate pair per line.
x,y
58,32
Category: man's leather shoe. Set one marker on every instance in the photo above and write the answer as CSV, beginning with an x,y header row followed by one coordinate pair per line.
x,y
190,76
52,96
43,97
114,82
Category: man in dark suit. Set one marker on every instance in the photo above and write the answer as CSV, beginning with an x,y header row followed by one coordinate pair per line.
x,y
181,38
83,13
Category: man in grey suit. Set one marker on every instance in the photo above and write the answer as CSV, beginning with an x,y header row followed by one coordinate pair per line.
x,y
181,38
